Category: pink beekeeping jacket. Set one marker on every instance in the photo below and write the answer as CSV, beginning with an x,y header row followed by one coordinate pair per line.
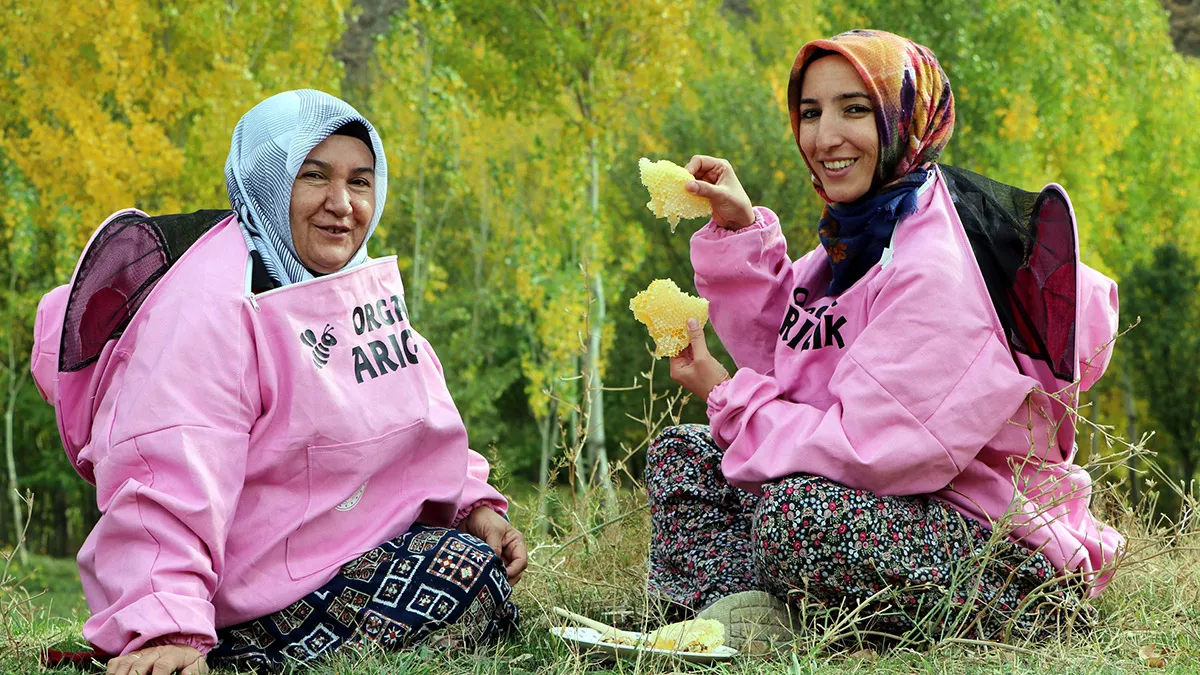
x,y
904,384
245,447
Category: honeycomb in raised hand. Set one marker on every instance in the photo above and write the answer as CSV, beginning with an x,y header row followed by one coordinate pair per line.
x,y
669,197
665,309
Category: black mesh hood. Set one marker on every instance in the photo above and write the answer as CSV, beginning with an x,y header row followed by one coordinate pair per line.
x,y
1025,245
117,272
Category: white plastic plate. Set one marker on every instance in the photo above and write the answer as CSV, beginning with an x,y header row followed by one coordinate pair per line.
x,y
588,640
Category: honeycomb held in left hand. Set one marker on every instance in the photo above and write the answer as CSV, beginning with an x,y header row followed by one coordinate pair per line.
x,y
665,309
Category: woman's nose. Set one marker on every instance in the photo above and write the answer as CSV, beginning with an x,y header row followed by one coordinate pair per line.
x,y
829,134
337,200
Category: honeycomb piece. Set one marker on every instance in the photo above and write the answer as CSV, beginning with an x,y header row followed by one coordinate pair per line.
x,y
696,635
665,309
669,197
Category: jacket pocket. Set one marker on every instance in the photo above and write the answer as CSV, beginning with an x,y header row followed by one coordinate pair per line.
x,y
355,495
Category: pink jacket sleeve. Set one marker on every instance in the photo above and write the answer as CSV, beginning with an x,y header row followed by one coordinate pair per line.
x,y
917,395
169,475
746,276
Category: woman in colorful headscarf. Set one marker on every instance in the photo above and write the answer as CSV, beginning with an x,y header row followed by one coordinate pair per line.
x,y
280,467
887,437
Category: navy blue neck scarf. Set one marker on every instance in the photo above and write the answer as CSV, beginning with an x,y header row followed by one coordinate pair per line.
x,y
854,235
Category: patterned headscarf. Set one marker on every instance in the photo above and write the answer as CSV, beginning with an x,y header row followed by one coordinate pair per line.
x,y
270,143
914,107
914,115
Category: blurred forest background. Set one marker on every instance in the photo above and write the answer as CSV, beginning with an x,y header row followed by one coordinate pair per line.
x,y
513,130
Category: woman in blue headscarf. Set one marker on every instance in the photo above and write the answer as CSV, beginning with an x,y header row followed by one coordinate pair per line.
x,y
279,464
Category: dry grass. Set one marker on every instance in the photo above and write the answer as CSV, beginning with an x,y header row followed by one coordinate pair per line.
x,y
593,562
1153,602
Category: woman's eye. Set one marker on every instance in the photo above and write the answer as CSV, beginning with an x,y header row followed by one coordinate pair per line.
x,y
858,110
313,174
810,114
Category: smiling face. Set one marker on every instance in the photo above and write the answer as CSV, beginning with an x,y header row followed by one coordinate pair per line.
x,y
333,201
837,131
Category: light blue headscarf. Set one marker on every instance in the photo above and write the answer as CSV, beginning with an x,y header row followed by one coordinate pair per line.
x,y
269,144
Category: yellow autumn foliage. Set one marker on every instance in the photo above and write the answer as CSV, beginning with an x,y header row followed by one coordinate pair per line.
x,y
134,103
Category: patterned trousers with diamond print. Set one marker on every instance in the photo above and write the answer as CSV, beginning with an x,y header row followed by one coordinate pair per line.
x,y
431,581
913,562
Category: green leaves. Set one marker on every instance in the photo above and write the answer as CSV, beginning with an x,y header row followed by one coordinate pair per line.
x,y
493,110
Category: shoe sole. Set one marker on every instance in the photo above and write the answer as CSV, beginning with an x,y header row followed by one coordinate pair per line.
x,y
755,621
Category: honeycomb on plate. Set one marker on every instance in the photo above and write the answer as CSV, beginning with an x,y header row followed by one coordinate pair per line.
x,y
665,310
669,197
695,635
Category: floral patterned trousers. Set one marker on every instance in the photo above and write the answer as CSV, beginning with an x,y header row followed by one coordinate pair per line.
x,y
909,562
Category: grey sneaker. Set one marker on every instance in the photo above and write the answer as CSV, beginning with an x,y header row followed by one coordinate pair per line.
x,y
756,622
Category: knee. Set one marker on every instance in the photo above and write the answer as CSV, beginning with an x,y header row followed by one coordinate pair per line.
x,y
674,444
803,508
489,592
478,560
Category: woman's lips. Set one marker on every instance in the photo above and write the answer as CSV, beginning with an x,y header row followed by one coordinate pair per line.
x,y
843,167
334,231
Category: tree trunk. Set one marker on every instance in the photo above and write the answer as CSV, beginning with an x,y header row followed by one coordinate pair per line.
x,y
418,264
14,494
15,381
366,21
548,426
480,252
581,478
596,441
1135,481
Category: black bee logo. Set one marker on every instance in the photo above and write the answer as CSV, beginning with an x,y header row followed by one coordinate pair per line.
x,y
320,348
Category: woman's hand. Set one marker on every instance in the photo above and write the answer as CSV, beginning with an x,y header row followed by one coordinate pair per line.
x,y
716,182
161,660
506,540
694,368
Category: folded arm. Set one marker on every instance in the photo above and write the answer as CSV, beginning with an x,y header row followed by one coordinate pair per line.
x,y
916,396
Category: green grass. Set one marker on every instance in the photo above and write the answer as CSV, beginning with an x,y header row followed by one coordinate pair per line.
x,y
1152,602
52,584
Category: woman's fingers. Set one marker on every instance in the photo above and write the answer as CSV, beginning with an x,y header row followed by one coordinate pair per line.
x,y
123,665
175,658
708,169
680,364
516,556
166,664
696,339
163,660
699,163
703,189
140,662
197,667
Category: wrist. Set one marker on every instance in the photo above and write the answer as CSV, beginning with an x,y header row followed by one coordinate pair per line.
x,y
464,513
723,379
200,643
746,220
